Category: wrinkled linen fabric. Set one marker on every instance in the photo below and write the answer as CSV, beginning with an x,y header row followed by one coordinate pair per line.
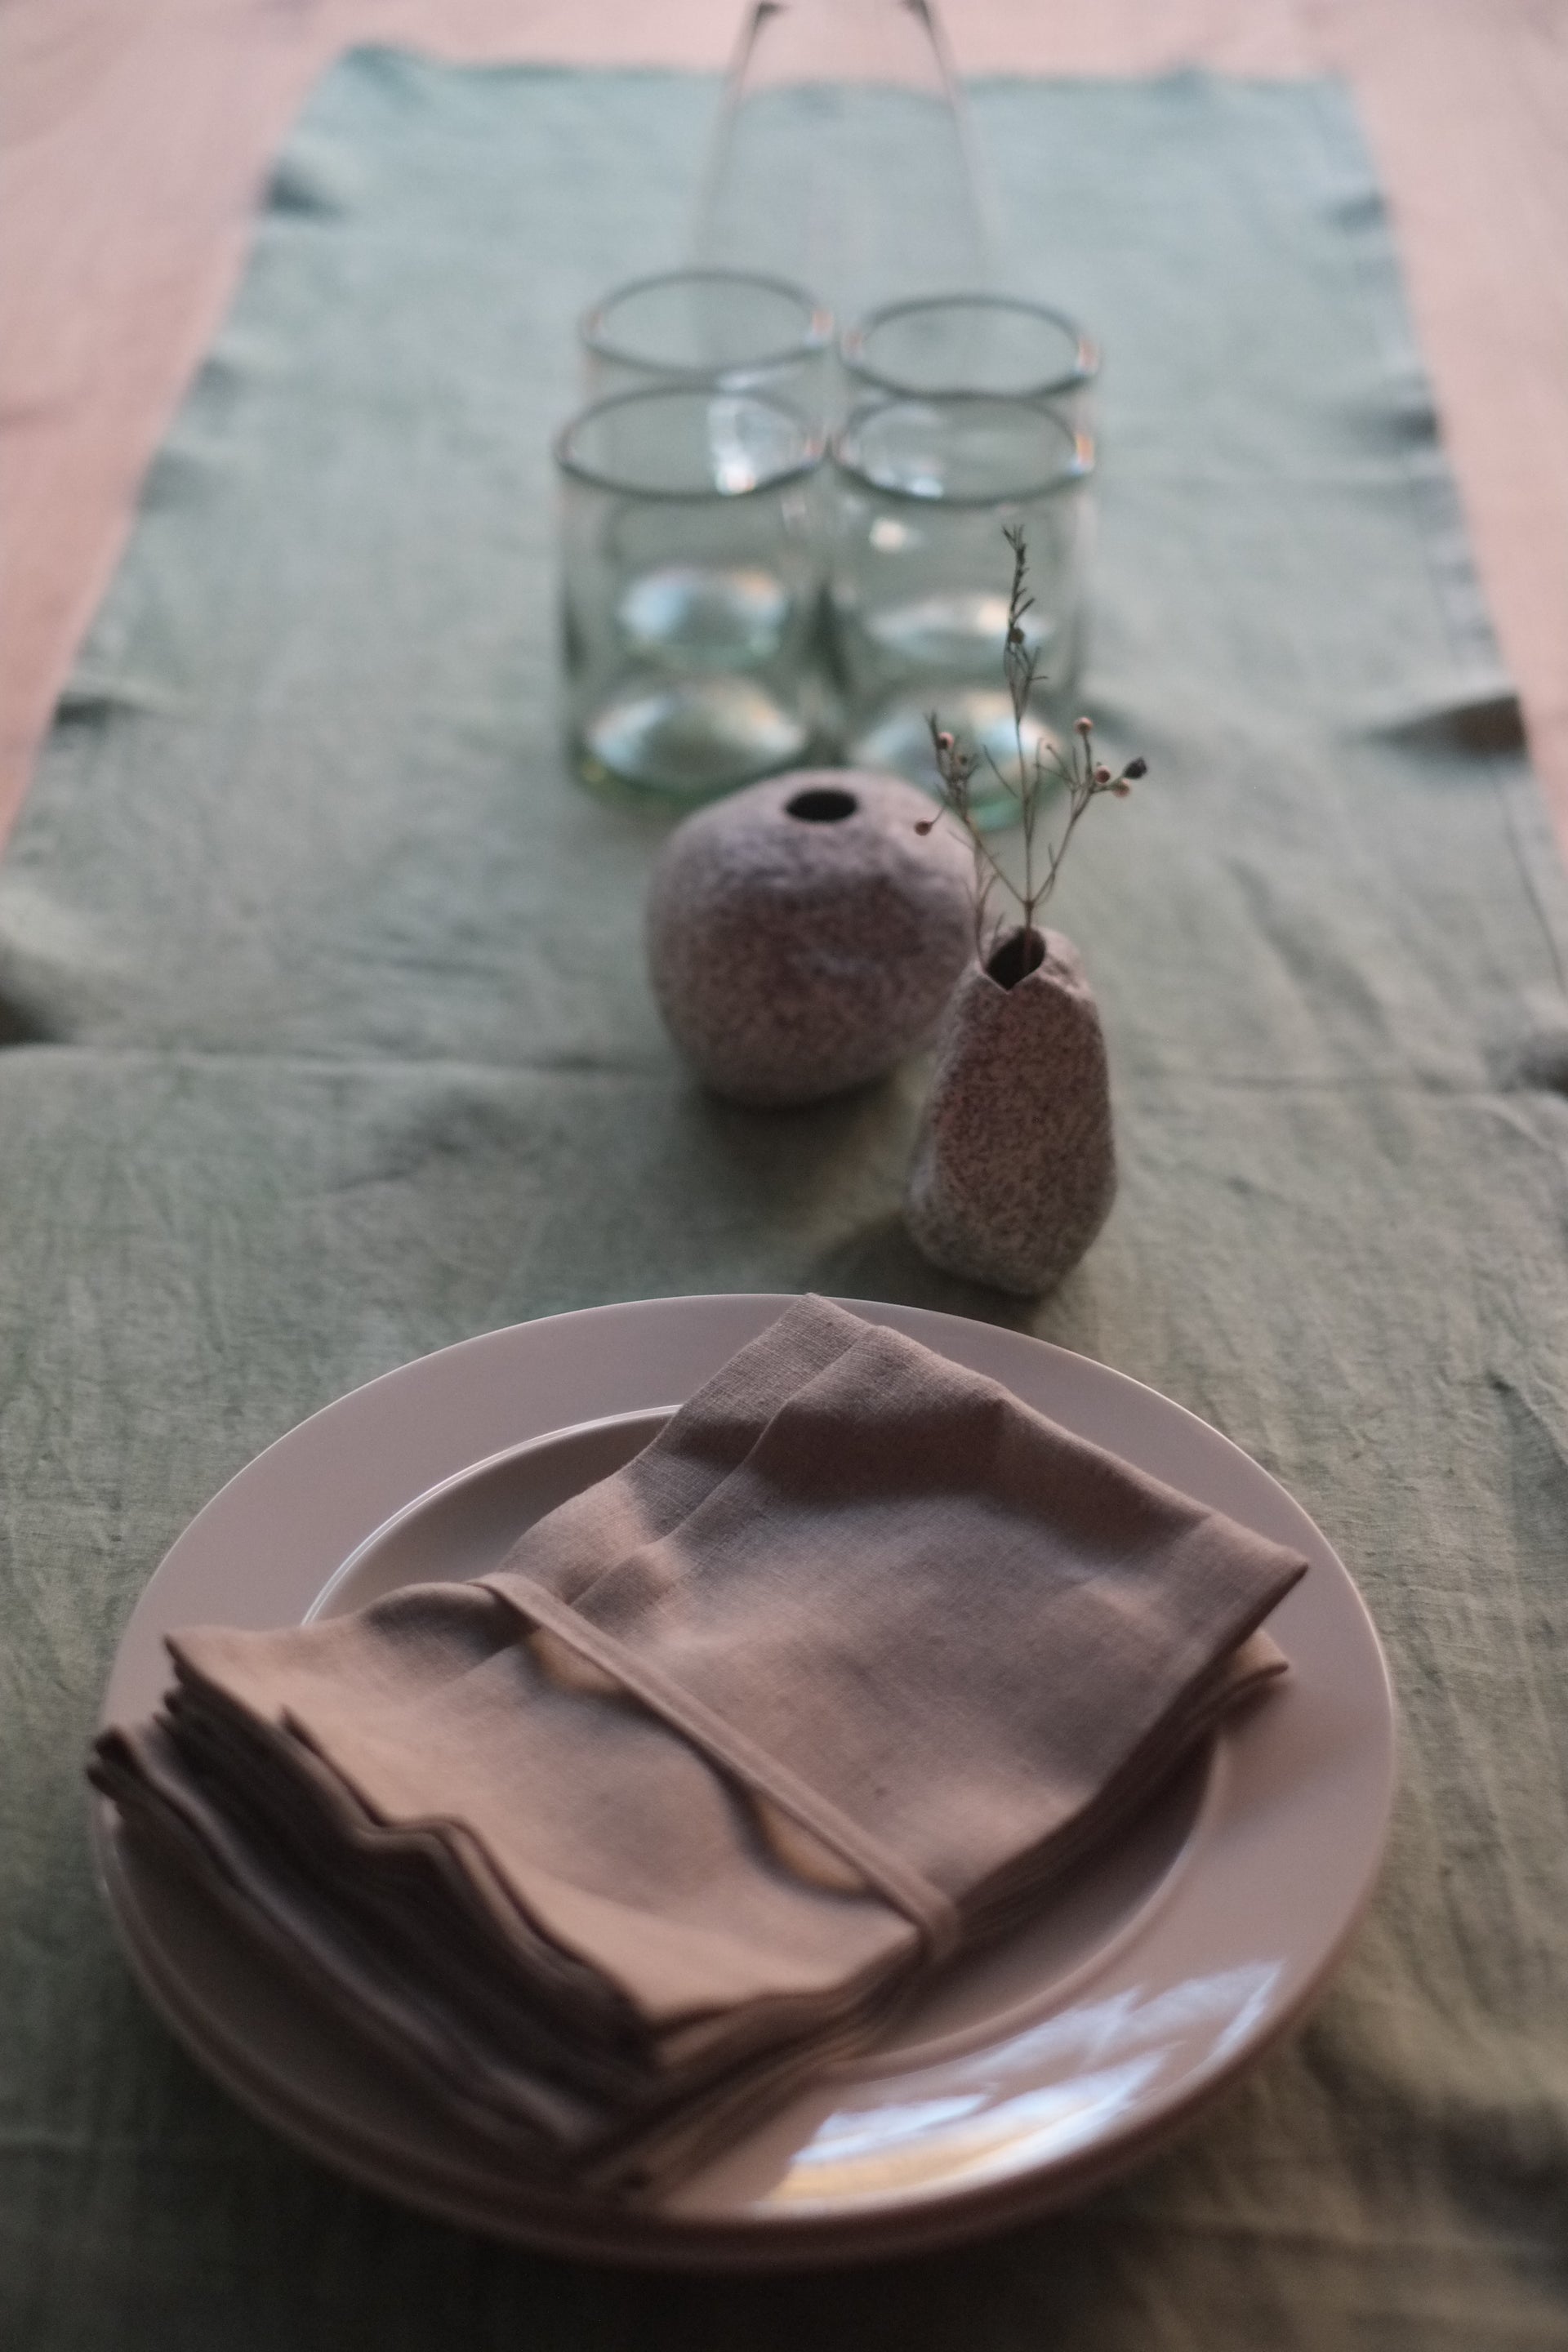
x,y
328,1043
852,1594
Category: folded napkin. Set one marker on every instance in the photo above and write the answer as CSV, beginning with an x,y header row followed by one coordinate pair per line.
x,y
609,1849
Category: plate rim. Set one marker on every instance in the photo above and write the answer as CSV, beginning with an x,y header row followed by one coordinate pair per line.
x,y
676,2242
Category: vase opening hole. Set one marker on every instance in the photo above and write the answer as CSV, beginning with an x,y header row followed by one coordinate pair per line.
x,y
822,804
1018,955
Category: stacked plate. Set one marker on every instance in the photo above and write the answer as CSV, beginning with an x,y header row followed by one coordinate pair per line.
x,y
1028,2077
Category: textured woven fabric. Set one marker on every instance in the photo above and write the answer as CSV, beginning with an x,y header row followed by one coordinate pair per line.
x,y
916,1620
329,1043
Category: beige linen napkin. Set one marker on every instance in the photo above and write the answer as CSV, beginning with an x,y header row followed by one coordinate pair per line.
x,y
734,1750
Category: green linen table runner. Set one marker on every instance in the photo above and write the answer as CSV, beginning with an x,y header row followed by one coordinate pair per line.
x,y
324,1041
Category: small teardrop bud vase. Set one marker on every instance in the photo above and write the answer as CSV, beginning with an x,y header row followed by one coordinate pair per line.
x,y
1015,1168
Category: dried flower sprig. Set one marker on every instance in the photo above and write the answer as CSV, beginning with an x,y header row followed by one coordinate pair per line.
x,y
1078,770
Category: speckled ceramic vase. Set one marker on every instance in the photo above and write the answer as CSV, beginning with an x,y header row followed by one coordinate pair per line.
x,y
803,936
1015,1168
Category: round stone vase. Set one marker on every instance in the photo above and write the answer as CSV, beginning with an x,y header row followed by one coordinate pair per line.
x,y
1015,1168
803,936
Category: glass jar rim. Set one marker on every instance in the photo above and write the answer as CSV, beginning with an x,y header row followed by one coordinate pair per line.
x,y
853,343
816,335
578,468
1071,476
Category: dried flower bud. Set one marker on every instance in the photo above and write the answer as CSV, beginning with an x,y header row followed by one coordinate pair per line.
x,y
1121,788
945,741
1084,726
1102,775
1135,768
1014,636
925,825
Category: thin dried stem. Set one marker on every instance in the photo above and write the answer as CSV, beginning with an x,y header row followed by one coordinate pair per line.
x,y
1080,773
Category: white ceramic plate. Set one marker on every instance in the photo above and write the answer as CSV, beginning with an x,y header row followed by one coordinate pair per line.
x,y
1031,2075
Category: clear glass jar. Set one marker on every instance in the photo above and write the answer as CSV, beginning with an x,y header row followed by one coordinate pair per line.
x,y
691,567
724,327
924,490
995,343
